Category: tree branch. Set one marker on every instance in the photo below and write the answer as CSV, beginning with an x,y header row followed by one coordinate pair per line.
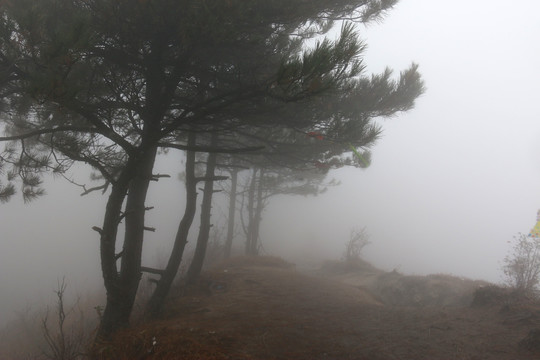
x,y
101,128
92,161
103,187
49,131
211,149
232,167
98,230
156,177
213,178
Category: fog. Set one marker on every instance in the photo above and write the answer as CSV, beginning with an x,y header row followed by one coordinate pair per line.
x,y
450,182
454,179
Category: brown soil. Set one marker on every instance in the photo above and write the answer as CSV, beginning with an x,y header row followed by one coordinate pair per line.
x,y
265,309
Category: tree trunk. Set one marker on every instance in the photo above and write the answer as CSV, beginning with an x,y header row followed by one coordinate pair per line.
x,y
135,177
155,304
251,213
122,286
232,212
257,216
111,319
206,207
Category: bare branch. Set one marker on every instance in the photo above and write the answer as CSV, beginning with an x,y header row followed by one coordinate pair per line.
x,y
98,229
103,187
232,166
156,177
213,178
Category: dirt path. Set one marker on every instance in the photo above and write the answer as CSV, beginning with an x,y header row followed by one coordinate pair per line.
x,y
264,312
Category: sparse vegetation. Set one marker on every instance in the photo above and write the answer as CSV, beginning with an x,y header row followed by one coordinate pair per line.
x,y
261,308
61,332
522,265
492,295
64,341
358,239
342,267
280,313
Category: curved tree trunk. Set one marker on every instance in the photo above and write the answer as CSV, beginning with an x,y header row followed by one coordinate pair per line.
x,y
163,285
122,285
111,319
130,270
206,208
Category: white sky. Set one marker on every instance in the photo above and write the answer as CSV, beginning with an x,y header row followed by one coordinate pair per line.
x,y
451,181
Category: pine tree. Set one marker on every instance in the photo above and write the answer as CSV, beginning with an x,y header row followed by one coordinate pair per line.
x,y
108,83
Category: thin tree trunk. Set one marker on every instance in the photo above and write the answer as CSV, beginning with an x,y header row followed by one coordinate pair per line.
x,y
155,304
232,212
257,216
206,208
251,212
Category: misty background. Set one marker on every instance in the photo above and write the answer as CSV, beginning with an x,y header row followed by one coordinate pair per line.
x,y
450,183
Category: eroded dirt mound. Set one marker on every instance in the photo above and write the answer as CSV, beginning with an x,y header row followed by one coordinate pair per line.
x,y
274,312
420,291
395,289
357,266
254,261
492,295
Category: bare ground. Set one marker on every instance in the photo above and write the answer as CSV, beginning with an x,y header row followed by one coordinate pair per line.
x,y
265,309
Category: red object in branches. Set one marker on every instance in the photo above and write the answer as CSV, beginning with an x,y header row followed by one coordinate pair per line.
x,y
316,135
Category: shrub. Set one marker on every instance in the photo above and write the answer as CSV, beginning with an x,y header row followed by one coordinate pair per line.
x,y
68,338
358,239
522,265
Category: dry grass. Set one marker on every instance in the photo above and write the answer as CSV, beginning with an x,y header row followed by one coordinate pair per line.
x,y
347,267
254,261
23,338
263,309
395,289
420,291
246,309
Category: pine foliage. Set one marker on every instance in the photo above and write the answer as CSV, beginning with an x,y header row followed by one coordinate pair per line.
x,y
79,73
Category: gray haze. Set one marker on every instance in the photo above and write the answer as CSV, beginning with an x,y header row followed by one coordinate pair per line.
x,y
458,176
451,181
